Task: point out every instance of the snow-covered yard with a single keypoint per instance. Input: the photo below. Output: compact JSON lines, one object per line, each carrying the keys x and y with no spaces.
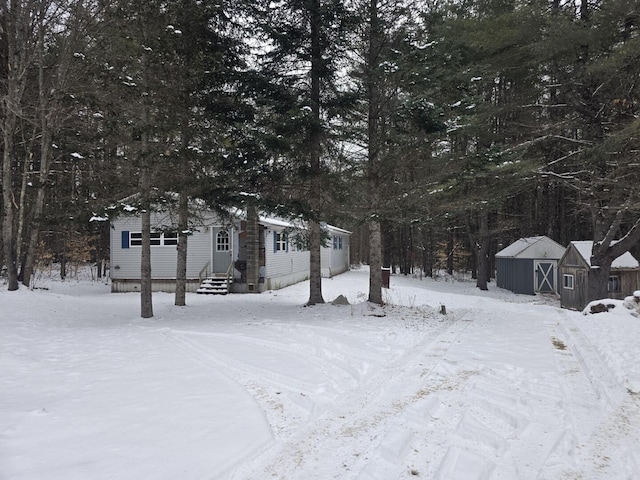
{"x":257,"y":386}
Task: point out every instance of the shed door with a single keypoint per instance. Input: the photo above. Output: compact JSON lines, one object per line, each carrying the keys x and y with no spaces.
{"x":545,"y":276}
{"x":222,"y":249}
{"x":581,"y":288}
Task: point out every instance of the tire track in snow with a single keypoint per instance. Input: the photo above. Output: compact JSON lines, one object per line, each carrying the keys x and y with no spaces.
{"x":597,"y":446}
{"x":221,"y":348}
{"x":285,"y":400}
{"x":488,"y":431}
{"x":360,"y":432}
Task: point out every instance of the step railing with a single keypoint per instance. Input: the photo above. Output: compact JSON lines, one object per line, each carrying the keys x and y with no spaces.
{"x":204,"y":272}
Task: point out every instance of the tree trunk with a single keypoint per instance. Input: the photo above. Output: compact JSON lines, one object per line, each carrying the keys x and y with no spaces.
{"x":38,"y":207}
{"x":605,"y":251}
{"x":450,"y":246}
{"x":181,"y":262}
{"x":481,"y":246}
{"x":48,"y":116}
{"x":373,"y":154}
{"x":375,"y":263}
{"x":427,"y":252}
{"x":146,"y":302}
{"x":315,"y":233}
{"x":315,"y":274}
{"x":21,"y":211}
{"x":253,"y":249}
{"x":17,"y":34}
{"x":63,"y":262}
{"x":598,"y":280}
{"x":8,"y":219}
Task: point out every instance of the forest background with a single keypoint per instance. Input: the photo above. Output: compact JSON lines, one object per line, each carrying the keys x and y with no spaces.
{"x":437,"y":131}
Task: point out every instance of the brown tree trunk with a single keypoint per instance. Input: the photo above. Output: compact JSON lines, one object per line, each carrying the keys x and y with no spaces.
{"x":181,"y":262}
{"x":315,"y":233}
{"x":373,"y":154}
{"x":253,"y":249}
{"x":480,"y":243}
{"x":8,"y":203}
{"x":15,"y":32}
{"x":315,"y":274}
{"x":146,"y":302}
{"x":598,"y":279}
{"x":375,"y":263}
{"x":604,"y":252}
{"x":450,"y":246}
{"x":38,"y":206}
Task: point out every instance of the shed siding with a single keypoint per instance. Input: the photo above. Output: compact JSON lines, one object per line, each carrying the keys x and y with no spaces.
{"x":572,"y":263}
{"x":515,"y":274}
{"x":515,"y":264}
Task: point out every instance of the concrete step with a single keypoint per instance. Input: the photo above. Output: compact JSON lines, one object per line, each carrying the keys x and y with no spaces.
{"x":216,"y":284}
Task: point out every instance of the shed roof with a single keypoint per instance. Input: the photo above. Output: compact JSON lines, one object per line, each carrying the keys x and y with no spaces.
{"x":584,"y":247}
{"x":533,"y":247}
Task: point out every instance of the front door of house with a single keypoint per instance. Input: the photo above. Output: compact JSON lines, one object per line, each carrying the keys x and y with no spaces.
{"x":222,"y":249}
{"x":545,"y":276}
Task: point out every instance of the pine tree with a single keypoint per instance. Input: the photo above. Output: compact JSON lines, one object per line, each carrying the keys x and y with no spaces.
{"x":304,"y":40}
{"x":595,"y":148}
{"x":396,"y":115}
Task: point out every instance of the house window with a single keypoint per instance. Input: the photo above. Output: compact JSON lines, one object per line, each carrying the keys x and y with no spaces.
{"x":335,"y":242}
{"x":170,"y":238}
{"x":280,"y":242}
{"x":339,"y":243}
{"x":136,"y":239}
{"x":613,"y":285}
{"x":223,"y":242}
{"x":157,"y":239}
{"x":567,"y":282}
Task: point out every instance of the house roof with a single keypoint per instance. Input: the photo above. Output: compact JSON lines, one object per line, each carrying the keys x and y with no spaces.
{"x":274,"y":222}
{"x":532,"y":247}
{"x":584,"y":247}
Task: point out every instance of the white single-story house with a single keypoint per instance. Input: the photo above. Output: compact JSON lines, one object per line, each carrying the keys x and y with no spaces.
{"x":217,"y":253}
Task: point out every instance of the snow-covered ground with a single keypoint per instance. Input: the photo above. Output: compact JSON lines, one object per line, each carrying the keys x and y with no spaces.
{"x":259,"y":387}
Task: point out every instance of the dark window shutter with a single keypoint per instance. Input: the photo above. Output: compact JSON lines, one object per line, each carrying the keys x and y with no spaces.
{"x":275,"y":242}
{"x":125,"y":239}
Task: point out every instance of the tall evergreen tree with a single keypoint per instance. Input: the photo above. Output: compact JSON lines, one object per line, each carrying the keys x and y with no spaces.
{"x":395,"y":115}
{"x":302,"y":53}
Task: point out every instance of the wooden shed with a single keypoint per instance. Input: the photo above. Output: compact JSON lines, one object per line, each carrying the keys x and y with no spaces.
{"x":529,"y":266}
{"x":574,"y":266}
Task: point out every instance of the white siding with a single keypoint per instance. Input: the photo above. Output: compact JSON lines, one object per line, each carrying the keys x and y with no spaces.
{"x":284,"y":268}
{"x":125,"y":262}
{"x":325,"y":259}
{"x":340,"y":258}
{"x":335,"y":260}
